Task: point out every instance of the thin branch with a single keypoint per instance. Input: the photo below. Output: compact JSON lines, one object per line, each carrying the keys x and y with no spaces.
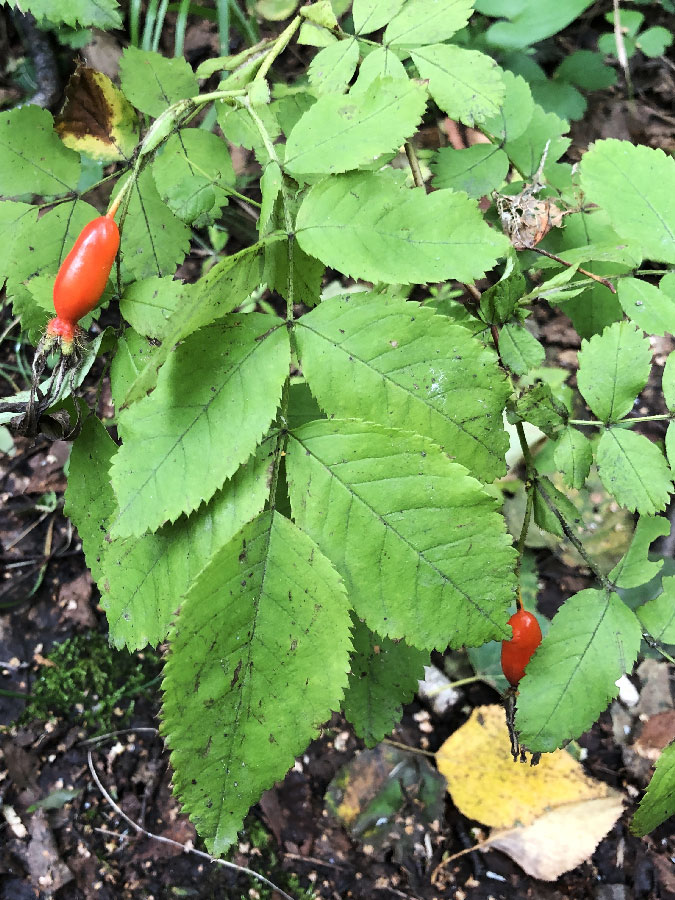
{"x":414,"y":163}
{"x":186,"y":848}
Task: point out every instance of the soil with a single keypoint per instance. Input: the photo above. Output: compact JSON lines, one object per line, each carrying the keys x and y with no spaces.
{"x":80,"y":847}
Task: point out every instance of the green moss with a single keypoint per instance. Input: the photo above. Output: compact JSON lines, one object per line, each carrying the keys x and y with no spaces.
{"x":91,"y":682}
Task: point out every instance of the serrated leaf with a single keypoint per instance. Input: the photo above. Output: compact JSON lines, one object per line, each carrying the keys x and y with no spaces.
{"x":658,"y":803}
{"x":153,"y":240}
{"x":573,"y":457}
{"x":381,"y":63}
{"x":193,"y":172}
{"x":538,"y":406}
{"x":148,"y":305}
{"x":516,"y":112}
{"x":369,"y":15}
{"x":658,"y":615}
{"x":239,"y":128}
{"x":367,"y":226}
{"x":222,"y":289}
{"x":527,"y":151}
{"x":593,"y":640}
{"x":670,"y":445}
{"x":519,"y":348}
{"x":634,"y":186}
{"x":427,"y":22}
{"x":89,"y":500}
{"x":650,"y":308}
{"x":499,"y":302}
{"x":417,"y":540}
{"x":258,"y":659}
{"x":613,"y":369}
{"x":406,"y":368}
{"x":636,"y":568}
{"x":634,"y":471}
{"x":14,"y":217}
{"x":153,"y":82}
{"x":143,"y":580}
{"x":104,"y":14}
{"x":668,"y":382}
{"x":383,"y":676}
{"x":97,"y":119}
{"x":341,"y":132}
{"x":333,"y":67}
{"x":132,"y":352}
{"x":478,"y":170}
{"x":32,"y":158}
{"x":214,"y":400}
{"x":270,"y":186}
{"x":466,"y":84}
{"x":547,"y":495}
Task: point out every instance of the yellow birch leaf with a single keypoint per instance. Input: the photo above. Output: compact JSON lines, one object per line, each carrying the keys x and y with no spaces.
{"x":486,"y":785}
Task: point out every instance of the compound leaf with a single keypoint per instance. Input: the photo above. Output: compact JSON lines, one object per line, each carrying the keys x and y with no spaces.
{"x":593,"y":640}
{"x":258,"y":659}
{"x":383,"y":676}
{"x":368,"y":226}
{"x":634,"y":185}
{"x":406,"y":367}
{"x":214,"y":400}
{"x":634,"y":471}
{"x":613,"y":368}
{"x":418,"y":541}
{"x":341,"y":132}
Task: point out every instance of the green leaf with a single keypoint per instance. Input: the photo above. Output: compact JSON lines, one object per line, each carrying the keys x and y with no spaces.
{"x":515,"y":115}
{"x":466,"y":84}
{"x":478,"y":170}
{"x":519,"y":348}
{"x":143,"y":580}
{"x":342,"y":132}
{"x":369,"y":15}
{"x":148,"y":305}
{"x":222,"y":289}
{"x":658,"y":804}
{"x":270,"y":186}
{"x":593,"y":640}
{"x":153,"y":82}
{"x":532,"y":21}
{"x":239,"y":128}
{"x":154,"y":241}
{"x":89,"y":501}
{"x":33,"y":160}
{"x":587,"y":70}
{"x":214,"y":400}
{"x":417,"y":540}
{"x":368,"y":226}
{"x":634,"y":471}
{"x":302,"y":406}
{"x":538,"y":406}
{"x":613,"y":368}
{"x":668,"y":382}
{"x":14,"y":217}
{"x":498,"y":303}
{"x":654,"y":41}
{"x":650,"y":308}
{"x":427,"y":22}
{"x":258,"y":659}
{"x":636,"y":568}
{"x":573,"y":457}
{"x":543,"y":514}
{"x":381,"y":63}
{"x":634,"y":185}
{"x":670,"y":445}
{"x":527,"y":151}
{"x":132,"y":352}
{"x":406,"y":367}
{"x":383,"y":676}
{"x":193,"y":172}
{"x":333,"y":67}
{"x":658,"y":615}
{"x":104,"y":14}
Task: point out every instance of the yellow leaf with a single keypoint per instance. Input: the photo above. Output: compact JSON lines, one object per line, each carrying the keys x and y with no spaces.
{"x":486,"y":785}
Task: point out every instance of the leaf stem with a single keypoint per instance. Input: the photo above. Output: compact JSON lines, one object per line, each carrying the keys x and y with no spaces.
{"x":660,"y":417}
{"x":414,"y":163}
{"x":598,"y":278}
{"x":278,"y":48}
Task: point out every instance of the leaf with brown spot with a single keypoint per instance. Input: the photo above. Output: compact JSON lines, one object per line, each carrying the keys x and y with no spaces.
{"x":97,"y":119}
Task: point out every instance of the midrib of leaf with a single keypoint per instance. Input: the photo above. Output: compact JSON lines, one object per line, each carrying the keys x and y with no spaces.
{"x":406,"y":35}
{"x":338,"y":134}
{"x":580,"y":659}
{"x":471,"y":87}
{"x":418,"y":554}
{"x":389,"y":380}
{"x":36,"y":166}
{"x":626,"y":457}
{"x":204,"y":408}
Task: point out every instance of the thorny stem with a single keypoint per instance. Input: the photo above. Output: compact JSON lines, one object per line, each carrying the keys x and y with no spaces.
{"x":414,"y":163}
{"x":186,"y":848}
